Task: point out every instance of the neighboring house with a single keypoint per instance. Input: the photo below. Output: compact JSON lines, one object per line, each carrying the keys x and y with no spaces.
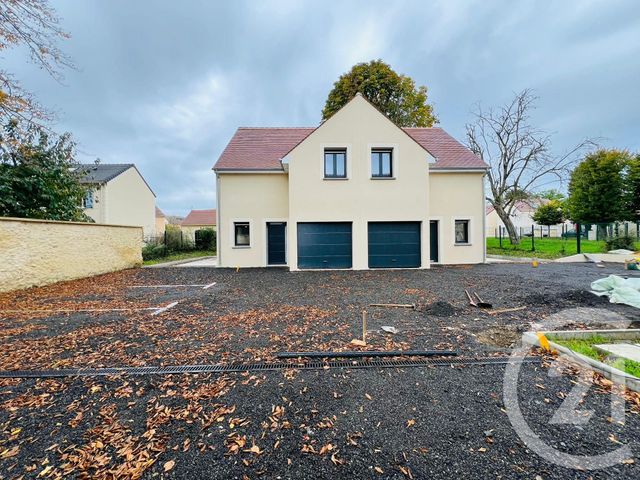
{"x":119,"y":196}
{"x":356,"y":192}
{"x":198,"y":220}
{"x":522,"y":218}
{"x":161,"y":222}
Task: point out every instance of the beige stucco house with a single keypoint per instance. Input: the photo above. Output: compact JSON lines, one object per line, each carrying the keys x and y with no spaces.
{"x":357,"y":192}
{"x":198,"y":220}
{"x":161,"y":222}
{"x":119,"y":195}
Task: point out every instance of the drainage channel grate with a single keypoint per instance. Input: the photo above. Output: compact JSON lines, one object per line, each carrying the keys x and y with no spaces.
{"x":246,"y":367}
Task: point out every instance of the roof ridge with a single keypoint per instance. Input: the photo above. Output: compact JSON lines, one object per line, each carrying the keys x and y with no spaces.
{"x":275,"y":128}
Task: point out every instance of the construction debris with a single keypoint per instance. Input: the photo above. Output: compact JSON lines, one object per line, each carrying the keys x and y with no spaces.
{"x":393,"y":305}
{"x":506,"y":310}
{"x":388,"y":329}
{"x":370,"y":353}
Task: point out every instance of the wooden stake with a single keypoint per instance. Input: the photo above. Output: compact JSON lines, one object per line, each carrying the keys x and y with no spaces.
{"x":393,"y":305}
{"x":364,"y":326}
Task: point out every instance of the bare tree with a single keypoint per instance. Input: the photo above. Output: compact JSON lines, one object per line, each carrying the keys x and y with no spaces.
{"x":518,"y":155}
{"x":33,"y":25}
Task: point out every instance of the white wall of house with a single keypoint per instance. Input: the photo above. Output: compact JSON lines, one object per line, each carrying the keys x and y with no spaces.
{"x":254,"y":198}
{"x":125,"y":200}
{"x":358,"y":127}
{"x":458,"y":196}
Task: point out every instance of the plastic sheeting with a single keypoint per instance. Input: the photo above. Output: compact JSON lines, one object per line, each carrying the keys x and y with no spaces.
{"x":618,"y":289}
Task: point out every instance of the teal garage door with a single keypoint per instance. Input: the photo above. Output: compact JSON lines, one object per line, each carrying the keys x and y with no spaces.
{"x":324,"y":245}
{"x":394,"y":244}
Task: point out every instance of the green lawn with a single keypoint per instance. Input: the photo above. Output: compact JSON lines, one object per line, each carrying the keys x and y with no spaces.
{"x":545,"y":247}
{"x":180,"y":256}
{"x":585,"y":347}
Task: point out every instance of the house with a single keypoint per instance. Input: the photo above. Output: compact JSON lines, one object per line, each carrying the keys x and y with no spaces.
{"x":119,"y":195}
{"x":522,"y":218}
{"x":198,"y":220}
{"x":356,"y":192}
{"x":161,"y":222}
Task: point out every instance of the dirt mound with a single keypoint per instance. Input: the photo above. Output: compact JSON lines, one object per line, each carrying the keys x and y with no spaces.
{"x":441,"y":309}
{"x":571,"y":298}
{"x":503,"y":337}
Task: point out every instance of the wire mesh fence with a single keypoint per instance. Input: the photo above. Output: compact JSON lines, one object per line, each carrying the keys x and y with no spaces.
{"x":566,"y":239}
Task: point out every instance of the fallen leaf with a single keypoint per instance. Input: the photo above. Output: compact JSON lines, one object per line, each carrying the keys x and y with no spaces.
{"x":411,"y":423}
{"x":379,"y":470}
{"x":169,"y":465}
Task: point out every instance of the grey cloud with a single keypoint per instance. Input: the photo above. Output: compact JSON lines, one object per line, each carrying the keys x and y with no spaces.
{"x":164,"y":84}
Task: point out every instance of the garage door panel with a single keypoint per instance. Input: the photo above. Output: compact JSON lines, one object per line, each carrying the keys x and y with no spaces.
{"x":394,"y":244}
{"x":324,"y":245}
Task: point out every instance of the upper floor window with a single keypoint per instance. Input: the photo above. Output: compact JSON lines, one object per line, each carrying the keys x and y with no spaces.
{"x":382,"y":162}
{"x":335,"y":163}
{"x":87,"y":201}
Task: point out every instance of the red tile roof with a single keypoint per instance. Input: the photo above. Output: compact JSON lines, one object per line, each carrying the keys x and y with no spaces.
{"x":199,"y":217}
{"x":448,"y":152}
{"x":263,"y":148}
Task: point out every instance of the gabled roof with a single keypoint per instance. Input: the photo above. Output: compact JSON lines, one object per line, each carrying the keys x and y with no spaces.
{"x":263,"y":148}
{"x":200,"y":217}
{"x":159,"y":213}
{"x":102,"y":172}
{"x":260,"y":148}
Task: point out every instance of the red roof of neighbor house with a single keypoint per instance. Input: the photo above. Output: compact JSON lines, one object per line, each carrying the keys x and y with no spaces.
{"x":200,"y":217}
{"x":263,"y":148}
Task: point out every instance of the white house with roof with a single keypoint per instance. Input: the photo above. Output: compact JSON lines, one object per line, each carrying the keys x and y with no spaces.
{"x":119,"y":195}
{"x":356,"y":192}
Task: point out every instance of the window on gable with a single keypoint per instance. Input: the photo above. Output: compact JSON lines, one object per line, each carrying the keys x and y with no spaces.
{"x":87,"y":201}
{"x":241,"y":234}
{"x":335,"y":163}
{"x":382,"y":163}
{"x":462,"y":231}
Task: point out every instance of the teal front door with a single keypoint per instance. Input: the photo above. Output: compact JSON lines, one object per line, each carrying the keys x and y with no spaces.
{"x":433,"y":240}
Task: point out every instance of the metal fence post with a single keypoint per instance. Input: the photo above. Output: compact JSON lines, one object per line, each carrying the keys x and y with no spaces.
{"x":578,"y":235}
{"x":533,"y":238}
{"x":500,"y":230}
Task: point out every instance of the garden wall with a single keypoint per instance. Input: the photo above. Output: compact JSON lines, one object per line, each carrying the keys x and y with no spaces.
{"x":40,"y":252}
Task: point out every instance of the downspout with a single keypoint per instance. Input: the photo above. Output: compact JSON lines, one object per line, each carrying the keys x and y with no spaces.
{"x":218,"y":227}
{"x":484,"y":220}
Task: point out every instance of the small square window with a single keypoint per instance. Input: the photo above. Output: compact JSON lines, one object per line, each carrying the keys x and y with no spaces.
{"x":462,"y":231}
{"x":87,"y":201}
{"x":241,"y":234}
{"x":335,"y":163}
{"x":382,"y":163}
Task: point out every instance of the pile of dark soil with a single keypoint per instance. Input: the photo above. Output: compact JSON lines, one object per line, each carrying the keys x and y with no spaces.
{"x":569,"y":298}
{"x":441,"y":309}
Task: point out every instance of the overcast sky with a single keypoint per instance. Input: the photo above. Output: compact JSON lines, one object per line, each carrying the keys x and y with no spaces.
{"x":164,"y":84}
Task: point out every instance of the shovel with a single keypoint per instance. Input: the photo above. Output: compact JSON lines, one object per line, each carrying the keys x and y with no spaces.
{"x":472,"y":302}
{"x":481,"y":303}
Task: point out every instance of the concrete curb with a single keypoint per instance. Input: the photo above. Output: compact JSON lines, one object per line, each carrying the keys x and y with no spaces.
{"x":631,"y":382}
{"x":178,"y":262}
{"x":519,"y":259}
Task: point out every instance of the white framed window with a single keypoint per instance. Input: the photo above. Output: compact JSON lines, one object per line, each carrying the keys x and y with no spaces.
{"x":87,"y":201}
{"x":461,"y":232}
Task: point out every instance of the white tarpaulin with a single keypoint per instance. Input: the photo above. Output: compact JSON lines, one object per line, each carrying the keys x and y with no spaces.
{"x":618,"y":289}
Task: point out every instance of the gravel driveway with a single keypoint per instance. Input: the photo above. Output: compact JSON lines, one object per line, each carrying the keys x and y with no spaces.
{"x":334,"y":423}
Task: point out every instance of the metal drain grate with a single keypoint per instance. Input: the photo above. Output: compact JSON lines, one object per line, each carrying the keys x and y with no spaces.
{"x":250,"y":367}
